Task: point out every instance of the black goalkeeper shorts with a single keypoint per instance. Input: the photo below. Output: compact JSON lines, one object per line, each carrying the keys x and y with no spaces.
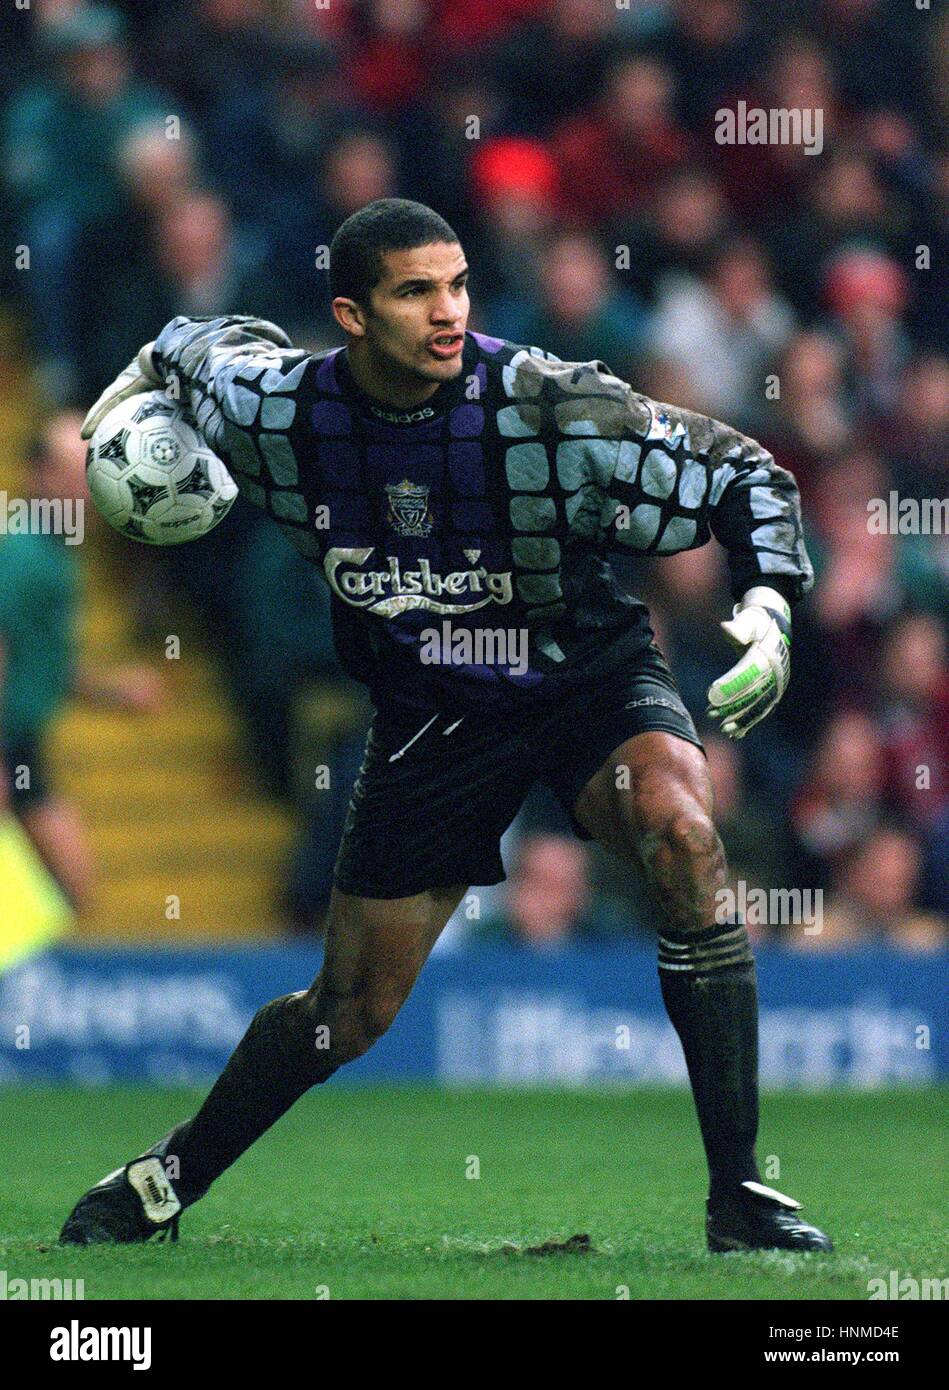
{"x":432,"y":801}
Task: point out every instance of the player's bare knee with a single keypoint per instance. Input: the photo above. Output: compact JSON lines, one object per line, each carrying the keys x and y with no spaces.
{"x":683,"y":848}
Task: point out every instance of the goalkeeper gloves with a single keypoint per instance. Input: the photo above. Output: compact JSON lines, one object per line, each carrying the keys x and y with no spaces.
{"x":142,"y":374}
{"x":746,"y":694}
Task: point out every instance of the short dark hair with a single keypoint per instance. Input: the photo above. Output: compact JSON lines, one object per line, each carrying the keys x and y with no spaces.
{"x":388,"y":224}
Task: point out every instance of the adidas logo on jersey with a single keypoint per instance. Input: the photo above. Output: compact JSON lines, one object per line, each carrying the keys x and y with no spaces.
{"x":403,"y":417}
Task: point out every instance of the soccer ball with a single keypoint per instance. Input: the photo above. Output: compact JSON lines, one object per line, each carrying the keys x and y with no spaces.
{"x":152,"y":476}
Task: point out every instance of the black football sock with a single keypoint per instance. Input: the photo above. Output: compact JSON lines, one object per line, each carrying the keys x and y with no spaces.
{"x":273,"y":1065}
{"x":711,"y":996}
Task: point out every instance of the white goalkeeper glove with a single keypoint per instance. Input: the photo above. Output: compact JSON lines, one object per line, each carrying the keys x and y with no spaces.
{"x":746,"y":694}
{"x":142,"y":374}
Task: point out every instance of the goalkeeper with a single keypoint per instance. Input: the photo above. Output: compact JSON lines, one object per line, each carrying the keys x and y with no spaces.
{"x":451,"y":483}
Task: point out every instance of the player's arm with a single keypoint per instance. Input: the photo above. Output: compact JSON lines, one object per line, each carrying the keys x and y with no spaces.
{"x":686,"y":476}
{"x":240,"y":376}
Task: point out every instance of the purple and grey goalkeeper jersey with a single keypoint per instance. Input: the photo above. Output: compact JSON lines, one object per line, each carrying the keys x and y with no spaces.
{"x":494,"y":506}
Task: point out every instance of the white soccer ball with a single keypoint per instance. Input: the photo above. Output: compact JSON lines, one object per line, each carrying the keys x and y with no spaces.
{"x":152,"y":476}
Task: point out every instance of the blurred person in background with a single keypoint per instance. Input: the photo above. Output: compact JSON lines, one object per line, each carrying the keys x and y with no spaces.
{"x":766,"y":180}
{"x":62,"y":135}
{"x":226,"y":39}
{"x":157,"y":172}
{"x":386,"y":66}
{"x":202,"y":261}
{"x":514,"y":187}
{"x":724,"y":330}
{"x":842,"y":204}
{"x":291,"y":116}
{"x":612,"y":157}
{"x":192,"y":254}
{"x":867,"y":576}
{"x":360,"y":167}
{"x":39,"y":667}
{"x":753,"y":835}
{"x":554,"y":60}
{"x":810,"y":419}
{"x":840,"y":800}
{"x":867,"y":294}
{"x":437,"y":145}
{"x":914,"y":719}
{"x":874,"y":897}
{"x":870,"y":52}
{"x":357,"y":166}
{"x":579,"y":312}
{"x":914,"y":436}
{"x":464,"y":25}
{"x":910,"y":172}
{"x":548,"y":901}
{"x":715,"y":47}
{"x":683,"y":222}
{"x":279,"y":638}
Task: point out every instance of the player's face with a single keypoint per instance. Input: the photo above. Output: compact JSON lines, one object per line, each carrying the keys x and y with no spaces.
{"x":419,"y":312}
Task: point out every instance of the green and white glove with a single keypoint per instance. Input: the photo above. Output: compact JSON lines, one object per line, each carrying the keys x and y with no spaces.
{"x":761,"y":628}
{"x":140,"y":375}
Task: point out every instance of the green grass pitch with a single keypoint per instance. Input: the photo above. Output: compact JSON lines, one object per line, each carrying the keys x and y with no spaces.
{"x":364,"y":1193}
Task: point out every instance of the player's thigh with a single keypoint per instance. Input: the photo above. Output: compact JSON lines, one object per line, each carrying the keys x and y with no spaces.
{"x":381,"y":944}
{"x":654,"y":783}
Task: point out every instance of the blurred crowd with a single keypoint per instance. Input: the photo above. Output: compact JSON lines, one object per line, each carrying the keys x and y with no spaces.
{"x":196,"y":157}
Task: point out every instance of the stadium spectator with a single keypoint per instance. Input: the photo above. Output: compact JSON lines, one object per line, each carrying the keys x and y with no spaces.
{"x":867,"y":575}
{"x":724,"y":331}
{"x":875,"y":893}
{"x":553,"y":63}
{"x":386,"y":65}
{"x":466,"y":107}
{"x":915,"y":435}
{"x":612,"y":157}
{"x":914,"y":719}
{"x":288,"y":118}
{"x":181,"y":248}
{"x":869,"y":51}
{"x":677,"y":230}
{"x":157,"y":172}
{"x":547,"y":899}
{"x":514,"y":184}
{"x":753,"y":851}
{"x":809,"y":419}
{"x":843,"y":204}
{"x":770,"y":176}
{"x":715,"y":49}
{"x":226,"y":41}
{"x":841,"y":799}
{"x":62,"y":135}
{"x":867,"y":294}
{"x":578,"y":311}
{"x":39,"y":665}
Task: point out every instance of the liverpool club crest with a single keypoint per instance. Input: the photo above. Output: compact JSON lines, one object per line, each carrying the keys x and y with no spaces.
{"x":408,"y":508}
